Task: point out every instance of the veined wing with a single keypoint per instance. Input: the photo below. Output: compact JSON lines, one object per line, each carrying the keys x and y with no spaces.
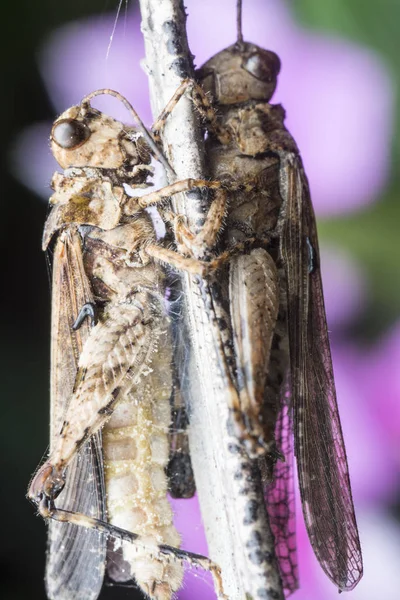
{"x":280,"y":500}
{"x":76,"y":556}
{"x":181,"y":482}
{"x":321,"y":457}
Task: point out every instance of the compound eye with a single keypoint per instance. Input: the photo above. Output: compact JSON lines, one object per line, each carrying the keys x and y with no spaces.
{"x":265,"y":66}
{"x":70,"y":133}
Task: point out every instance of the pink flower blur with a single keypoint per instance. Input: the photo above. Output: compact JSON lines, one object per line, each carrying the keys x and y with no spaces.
{"x":383,"y":389}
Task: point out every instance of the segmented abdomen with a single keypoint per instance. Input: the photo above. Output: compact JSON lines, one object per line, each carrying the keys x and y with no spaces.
{"x":136,"y":449}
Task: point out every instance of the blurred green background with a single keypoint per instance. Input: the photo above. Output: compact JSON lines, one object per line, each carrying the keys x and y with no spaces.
{"x":371,"y":235}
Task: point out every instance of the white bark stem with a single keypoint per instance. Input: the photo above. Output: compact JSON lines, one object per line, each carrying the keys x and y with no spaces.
{"x":224,"y":505}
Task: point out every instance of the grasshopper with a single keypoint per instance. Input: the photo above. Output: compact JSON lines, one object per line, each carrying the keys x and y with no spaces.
{"x":111,"y":373}
{"x":276,"y":332}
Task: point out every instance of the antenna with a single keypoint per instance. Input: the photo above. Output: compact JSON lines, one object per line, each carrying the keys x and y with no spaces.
{"x":239,"y":21}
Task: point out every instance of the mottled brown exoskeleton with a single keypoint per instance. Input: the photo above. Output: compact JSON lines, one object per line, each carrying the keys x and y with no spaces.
{"x":111,"y":371}
{"x":277,"y":331}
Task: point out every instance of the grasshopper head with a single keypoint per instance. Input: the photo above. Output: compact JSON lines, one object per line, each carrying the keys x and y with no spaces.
{"x":240,"y":73}
{"x":84,"y":137}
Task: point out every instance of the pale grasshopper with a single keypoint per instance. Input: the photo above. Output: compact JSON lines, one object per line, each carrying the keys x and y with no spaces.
{"x":111,"y":365}
{"x":273,"y":294}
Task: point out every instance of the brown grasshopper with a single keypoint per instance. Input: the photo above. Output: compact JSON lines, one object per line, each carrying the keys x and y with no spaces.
{"x":273,"y":295}
{"x":111,"y":365}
